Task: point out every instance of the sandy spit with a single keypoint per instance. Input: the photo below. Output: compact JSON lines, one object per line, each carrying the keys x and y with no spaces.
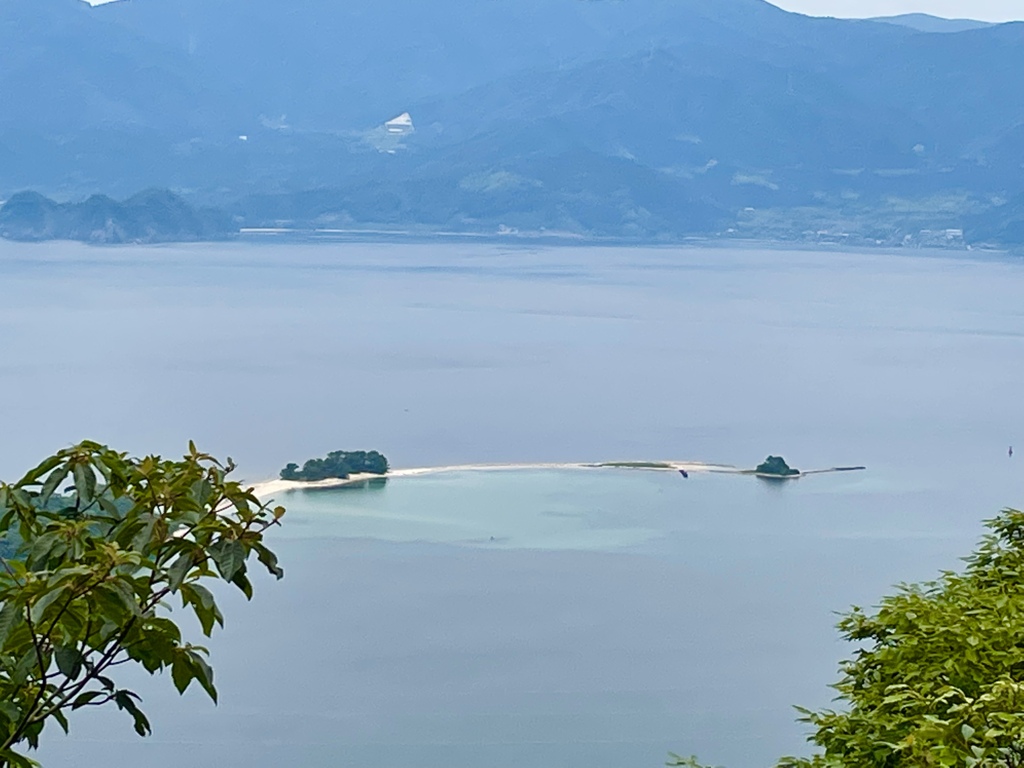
{"x":268,"y":488}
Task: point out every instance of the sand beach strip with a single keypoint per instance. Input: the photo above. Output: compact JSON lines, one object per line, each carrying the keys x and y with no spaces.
{"x":268,"y":488}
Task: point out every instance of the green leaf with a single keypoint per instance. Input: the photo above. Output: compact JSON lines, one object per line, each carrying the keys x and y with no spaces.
{"x":16,"y":760}
{"x":269,"y":560}
{"x":10,"y":712}
{"x":126,"y":594}
{"x":144,"y":536}
{"x":23,"y":667}
{"x":55,"y":479}
{"x":203,"y":491}
{"x":42,"y":548}
{"x":85,"y":482}
{"x":201,"y":594}
{"x":109,"y":506}
{"x":40,"y":606}
{"x":242,"y":582}
{"x":69,"y":660}
{"x":61,"y":720}
{"x":202,"y":602}
{"x":204,"y":674}
{"x":34,"y":474}
{"x":181,"y":672}
{"x":84,"y":699}
{"x":229,"y":556}
{"x":125,"y":701}
{"x":12,"y":616}
{"x":110,"y":604}
{"x":179,"y":570}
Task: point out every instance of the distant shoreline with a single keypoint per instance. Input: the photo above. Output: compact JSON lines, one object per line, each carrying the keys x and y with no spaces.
{"x":269,"y":237}
{"x":584,"y":239}
{"x":267,"y":488}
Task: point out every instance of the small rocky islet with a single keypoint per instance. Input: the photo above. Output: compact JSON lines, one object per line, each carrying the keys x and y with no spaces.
{"x":776,"y":467}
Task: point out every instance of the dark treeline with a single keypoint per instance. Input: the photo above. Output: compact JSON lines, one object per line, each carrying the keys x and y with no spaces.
{"x":776,"y":465}
{"x":338,"y":464}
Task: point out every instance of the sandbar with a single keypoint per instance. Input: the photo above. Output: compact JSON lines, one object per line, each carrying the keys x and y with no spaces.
{"x":268,"y":488}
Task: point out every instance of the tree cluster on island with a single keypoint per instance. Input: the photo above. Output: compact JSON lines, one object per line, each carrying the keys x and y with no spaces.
{"x":338,"y":465}
{"x":776,"y":466}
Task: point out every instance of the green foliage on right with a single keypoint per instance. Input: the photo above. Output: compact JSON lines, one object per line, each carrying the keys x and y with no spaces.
{"x":938,"y":677}
{"x":338,"y":464}
{"x":776,"y":465}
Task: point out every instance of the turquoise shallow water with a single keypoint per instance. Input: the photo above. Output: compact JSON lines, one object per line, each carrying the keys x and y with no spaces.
{"x":614,"y":510}
{"x":544,"y":618}
{"x":538,"y":509}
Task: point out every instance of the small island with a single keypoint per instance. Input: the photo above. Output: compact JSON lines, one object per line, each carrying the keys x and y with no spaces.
{"x":776,"y":467}
{"x":153,"y":216}
{"x":338,"y":465}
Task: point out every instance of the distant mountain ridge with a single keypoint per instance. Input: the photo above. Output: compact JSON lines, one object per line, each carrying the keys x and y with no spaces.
{"x":924,"y":22}
{"x":152,"y":216}
{"x":645,"y":118}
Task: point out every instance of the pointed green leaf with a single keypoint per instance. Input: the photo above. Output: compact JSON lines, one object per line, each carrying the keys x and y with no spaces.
{"x":69,"y":660}
{"x":229,"y":556}
{"x":242,"y":582}
{"x":181,"y":672}
{"x":12,"y":616}
{"x":85,"y":482}
{"x":42,"y":548}
{"x":140,"y":721}
{"x":40,"y":470}
{"x":202,"y":602}
{"x":85,"y":698}
{"x":61,"y":720}
{"x":204,"y":674}
{"x":203,"y":596}
{"x":269,"y":560}
{"x":55,"y":479}
{"x":179,"y":570}
{"x":39,"y":607}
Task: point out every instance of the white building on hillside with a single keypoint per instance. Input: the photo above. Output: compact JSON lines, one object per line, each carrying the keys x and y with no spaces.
{"x":400,"y":125}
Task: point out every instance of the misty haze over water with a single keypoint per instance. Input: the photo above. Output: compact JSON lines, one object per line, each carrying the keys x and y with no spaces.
{"x":514,"y":232}
{"x":443,"y":648}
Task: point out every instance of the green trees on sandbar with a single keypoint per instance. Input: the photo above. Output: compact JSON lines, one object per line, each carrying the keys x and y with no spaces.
{"x":776,"y":466}
{"x":338,"y":464}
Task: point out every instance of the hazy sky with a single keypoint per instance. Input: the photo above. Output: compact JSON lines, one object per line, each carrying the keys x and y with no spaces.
{"x":989,"y":10}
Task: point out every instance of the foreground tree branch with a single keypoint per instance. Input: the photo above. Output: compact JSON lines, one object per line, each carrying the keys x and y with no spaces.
{"x":937,"y":677}
{"x":84,"y":573}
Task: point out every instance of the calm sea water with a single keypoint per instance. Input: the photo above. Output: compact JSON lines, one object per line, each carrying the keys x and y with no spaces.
{"x":532,"y":618}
